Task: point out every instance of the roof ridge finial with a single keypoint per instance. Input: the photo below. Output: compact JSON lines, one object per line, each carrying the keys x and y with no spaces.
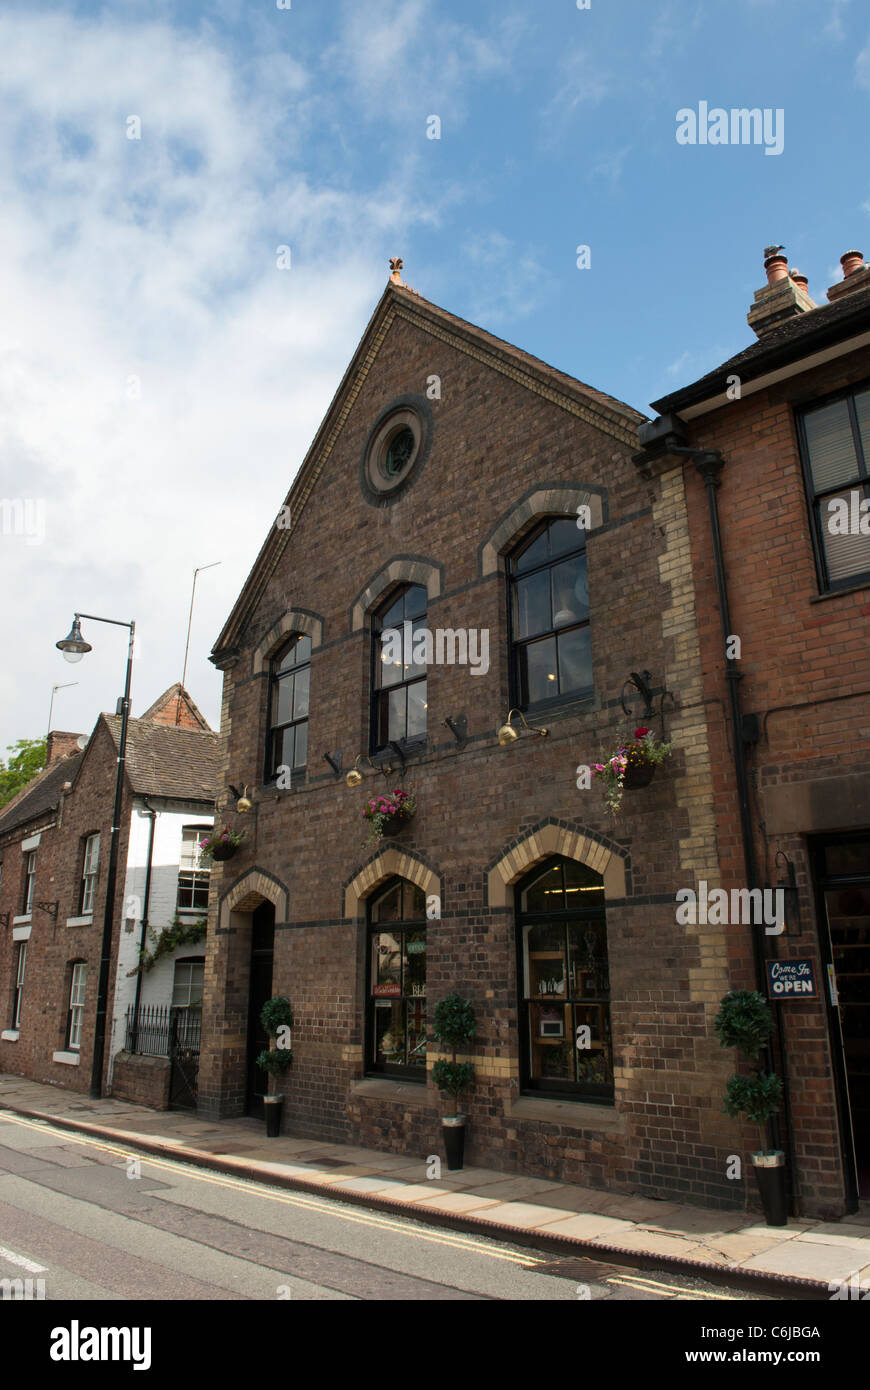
{"x":396,"y":267}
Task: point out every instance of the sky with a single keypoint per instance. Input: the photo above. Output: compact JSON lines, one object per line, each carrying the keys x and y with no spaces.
{"x":164,"y":366}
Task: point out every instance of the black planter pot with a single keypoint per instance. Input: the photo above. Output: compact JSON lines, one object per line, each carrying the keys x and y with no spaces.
{"x":638,"y":774}
{"x":770,"y":1175}
{"x":273,"y":1106}
{"x":453,"y":1129}
{"x":393,"y":824}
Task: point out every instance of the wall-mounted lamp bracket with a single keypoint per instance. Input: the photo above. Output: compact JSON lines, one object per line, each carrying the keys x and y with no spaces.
{"x":458,"y":727}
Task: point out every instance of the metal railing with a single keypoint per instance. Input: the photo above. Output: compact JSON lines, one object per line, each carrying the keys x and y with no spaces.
{"x":158,"y":1029}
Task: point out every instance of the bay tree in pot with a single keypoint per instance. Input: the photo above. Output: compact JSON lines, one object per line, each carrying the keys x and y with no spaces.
{"x":276,"y":1017}
{"x":454,"y":1025}
{"x":745,"y":1021}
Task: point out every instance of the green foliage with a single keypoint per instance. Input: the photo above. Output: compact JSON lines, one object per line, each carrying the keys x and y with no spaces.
{"x":28,"y":758}
{"x":276,"y":1013}
{"x":744,"y":1021}
{"x":454,"y":1077}
{"x":276,"y":1061}
{"x":758,"y":1096}
{"x":178,"y":933}
{"x":454,"y":1022}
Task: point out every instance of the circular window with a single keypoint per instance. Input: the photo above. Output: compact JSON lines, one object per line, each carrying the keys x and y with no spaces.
{"x":396,"y":448}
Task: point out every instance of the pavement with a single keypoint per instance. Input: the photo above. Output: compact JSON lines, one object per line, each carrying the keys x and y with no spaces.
{"x":803,"y":1258}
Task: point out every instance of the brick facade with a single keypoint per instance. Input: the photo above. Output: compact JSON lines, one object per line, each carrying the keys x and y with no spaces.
{"x":511,"y":442}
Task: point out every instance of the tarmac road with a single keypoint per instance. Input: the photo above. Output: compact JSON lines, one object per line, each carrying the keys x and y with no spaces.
{"x":82,"y":1220}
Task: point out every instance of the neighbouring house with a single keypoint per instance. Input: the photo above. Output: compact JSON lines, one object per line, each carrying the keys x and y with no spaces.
{"x":485,"y":507}
{"x":775,"y":466}
{"x":54,"y":839}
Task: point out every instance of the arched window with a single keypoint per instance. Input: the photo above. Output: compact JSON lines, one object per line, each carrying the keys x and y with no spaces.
{"x":399,"y":693}
{"x":288,"y":707}
{"x":564,"y":982}
{"x":396,"y":994}
{"x":551,"y":653}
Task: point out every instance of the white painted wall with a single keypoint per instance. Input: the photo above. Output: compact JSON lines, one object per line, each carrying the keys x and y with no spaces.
{"x":156,"y":983}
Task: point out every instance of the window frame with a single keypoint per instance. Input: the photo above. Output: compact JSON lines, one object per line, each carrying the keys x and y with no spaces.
{"x":89,"y":876}
{"x":814,"y":497}
{"x":559,"y":1088}
{"x":417,"y":741}
{"x":188,"y":961}
{"x":76,"y":1011}
{"x":29,"y":881}
{"x":18,"y":985}
{"x":199,"y":874}
{"x":371,"y":1067}
{"x":270,"y":771}
{"x":515,"y":644}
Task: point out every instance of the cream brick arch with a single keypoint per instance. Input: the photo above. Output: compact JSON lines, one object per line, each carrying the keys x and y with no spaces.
{"x":554,"y":499}
{"x":252,"y":888}
{"x":402,"y":569}
{"x":384,"y":866}
{"x":294,"y":620}
{"x":552,"y":838}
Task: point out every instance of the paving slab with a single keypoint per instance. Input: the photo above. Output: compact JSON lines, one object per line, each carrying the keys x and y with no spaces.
{"x":589,"y":1226}
{"x":455,"y":1201}
{"x":826,"y":1261}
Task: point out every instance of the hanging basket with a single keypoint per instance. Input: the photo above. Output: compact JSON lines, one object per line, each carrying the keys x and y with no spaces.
{"x":393,"y":824}
{"x":224,"y":851}
{"x":639,"y":773}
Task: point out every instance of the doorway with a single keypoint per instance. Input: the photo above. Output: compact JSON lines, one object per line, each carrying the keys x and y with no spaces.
{"x":842,"y":879}
{"x":262,"y":958}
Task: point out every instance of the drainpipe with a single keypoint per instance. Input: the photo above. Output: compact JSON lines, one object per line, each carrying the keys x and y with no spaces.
{"x":144,"y":931}
{"x":709,"y":463}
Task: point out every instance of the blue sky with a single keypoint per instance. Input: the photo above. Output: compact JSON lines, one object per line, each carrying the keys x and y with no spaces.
{"x":161,"y":379}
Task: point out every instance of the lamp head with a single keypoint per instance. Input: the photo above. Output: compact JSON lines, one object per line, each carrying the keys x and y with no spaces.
{"x":507,"y":734}
{"x":243,"y":805}
{"x":74,"y":645}
{"x":353,"y":778}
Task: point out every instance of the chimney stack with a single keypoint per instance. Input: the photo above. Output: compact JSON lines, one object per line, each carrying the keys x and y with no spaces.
{"x":856,"y":276}
{"x":60,"y":745}
{"x":782,"y":297}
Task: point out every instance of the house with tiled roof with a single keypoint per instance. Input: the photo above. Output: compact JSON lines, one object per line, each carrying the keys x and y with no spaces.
{"x":54,"y":841}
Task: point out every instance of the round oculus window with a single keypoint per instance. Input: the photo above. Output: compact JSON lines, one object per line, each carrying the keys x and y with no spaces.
{"x":396,"y":447}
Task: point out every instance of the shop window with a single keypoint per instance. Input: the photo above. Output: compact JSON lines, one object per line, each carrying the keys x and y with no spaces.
{"x":396,"y":991}
{"x":550,"y":638}
{"x":564,"y":978}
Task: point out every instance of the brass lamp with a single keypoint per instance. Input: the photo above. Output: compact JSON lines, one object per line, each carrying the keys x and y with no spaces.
{"x":507,"y":734}
{"x":243,"y":805}
{"x":354,"y":777}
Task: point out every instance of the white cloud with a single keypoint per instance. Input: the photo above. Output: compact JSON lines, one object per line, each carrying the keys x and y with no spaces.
{"x":510,"y":282}
{"x":156,"y":259}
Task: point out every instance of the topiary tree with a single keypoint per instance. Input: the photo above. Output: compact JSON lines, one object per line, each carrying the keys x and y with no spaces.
{"x":276,"y":1017}
{"x":453,"y":1024}
{"x":744,"y":1021}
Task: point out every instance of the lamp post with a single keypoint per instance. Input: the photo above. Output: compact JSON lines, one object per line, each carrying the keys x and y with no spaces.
{"x":74,"y":648}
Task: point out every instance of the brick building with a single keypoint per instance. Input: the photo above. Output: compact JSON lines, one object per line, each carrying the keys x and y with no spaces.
{"x":459,"y":486}
{"x":54,"y":841}
{"x":783,"y":431}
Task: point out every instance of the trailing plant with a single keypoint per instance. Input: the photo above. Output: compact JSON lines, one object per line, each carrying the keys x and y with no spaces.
{"x":178,"y":933}
{"x":380,"y":809}
{"x":219,"y":838}
{"x":643,"y":750}
{"x":453,"y":1024}
{"x":744,"y":1021}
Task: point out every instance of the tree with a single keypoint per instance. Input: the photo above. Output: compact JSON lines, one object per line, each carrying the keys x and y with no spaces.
{"x":28,"y":758}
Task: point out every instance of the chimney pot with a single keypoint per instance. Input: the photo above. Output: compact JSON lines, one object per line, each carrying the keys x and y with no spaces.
{"x":776,"y":267}
{"x":851,"y":261}
{"x":799,"y":279}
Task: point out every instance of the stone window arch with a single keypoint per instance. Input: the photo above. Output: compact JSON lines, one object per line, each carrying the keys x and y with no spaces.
{"x":550,"y":499}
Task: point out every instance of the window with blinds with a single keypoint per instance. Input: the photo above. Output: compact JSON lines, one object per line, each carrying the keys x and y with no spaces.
{"x":835,"y":443}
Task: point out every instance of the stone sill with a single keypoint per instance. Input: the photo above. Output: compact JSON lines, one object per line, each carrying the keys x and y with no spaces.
{"x":18,"y":921}
{"x":86,"y":921}
{"x":840,"y":593}
{"x":69,"y":1059}
{"x":9,"y":1035}
{"x":385,"y":1088}
{"x":570,"y":1113}
{"x":22,"y":933}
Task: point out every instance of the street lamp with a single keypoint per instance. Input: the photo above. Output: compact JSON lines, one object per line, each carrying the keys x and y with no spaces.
{"x":74,"y":648}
